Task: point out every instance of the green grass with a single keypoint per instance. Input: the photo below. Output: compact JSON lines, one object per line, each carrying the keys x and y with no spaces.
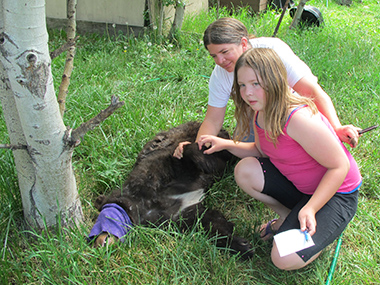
{"x":163,"y":86}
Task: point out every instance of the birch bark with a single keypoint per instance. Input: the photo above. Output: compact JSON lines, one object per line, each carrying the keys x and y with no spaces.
{"x":45,"y":174}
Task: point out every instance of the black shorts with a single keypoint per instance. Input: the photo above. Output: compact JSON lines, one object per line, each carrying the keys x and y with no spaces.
{"x":278,"y":186}
{"x":332,"y":218}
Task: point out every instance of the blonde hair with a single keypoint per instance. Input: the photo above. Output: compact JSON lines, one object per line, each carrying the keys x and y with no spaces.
{"x":279,"y":99}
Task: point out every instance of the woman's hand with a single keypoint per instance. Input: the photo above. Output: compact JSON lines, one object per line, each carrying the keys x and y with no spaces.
{"x":348,"y":134}
{"x":178,"y":152}
{"x":306,"y":217}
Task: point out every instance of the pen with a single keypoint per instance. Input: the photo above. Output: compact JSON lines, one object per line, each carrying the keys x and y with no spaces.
{"x":354,"y":141}
{"x":306,"y":235}
{"x":367,"y":129}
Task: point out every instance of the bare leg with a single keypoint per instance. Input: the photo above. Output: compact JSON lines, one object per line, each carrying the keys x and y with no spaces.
{"x":249,"y":176}
{"x":291,"y":261}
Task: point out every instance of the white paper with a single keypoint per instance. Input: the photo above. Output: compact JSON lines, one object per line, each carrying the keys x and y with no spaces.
{"x":292,"y":241}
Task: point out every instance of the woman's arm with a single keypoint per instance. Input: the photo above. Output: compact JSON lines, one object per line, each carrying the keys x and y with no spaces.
{"x":212,"y":122}
{"x":211,"y":125}
{"x":320,"y":143}
{"x":308,"y":87}
{"x":239,"y":149}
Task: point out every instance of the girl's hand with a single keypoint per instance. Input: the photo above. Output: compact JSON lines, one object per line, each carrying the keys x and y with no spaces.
{"x":215,"y":143}
{"x":178,"y":152}
{"x":306,"y":217}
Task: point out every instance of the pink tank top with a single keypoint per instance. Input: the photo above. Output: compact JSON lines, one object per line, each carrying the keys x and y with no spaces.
{"x":298,"y":166}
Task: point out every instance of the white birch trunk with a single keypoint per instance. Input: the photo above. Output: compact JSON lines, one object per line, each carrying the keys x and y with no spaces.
{"x":30,"y":107}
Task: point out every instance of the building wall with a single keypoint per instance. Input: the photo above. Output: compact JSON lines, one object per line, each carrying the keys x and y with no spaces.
{"x":112,"y":11}
{"x":256,"y":5}
{"x":56,"y":9}
{"x":92,"y":15}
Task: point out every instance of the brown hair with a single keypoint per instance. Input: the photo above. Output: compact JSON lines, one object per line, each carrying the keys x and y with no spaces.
{"x":225,"y":31}
{"x":279,"y":99}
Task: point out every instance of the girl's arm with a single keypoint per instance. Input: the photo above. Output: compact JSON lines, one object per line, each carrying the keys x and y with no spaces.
{"x":320,"y":143}
{"x":239,"y":149}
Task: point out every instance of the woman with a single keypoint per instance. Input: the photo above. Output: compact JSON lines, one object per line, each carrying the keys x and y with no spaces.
{"x":226,"y":39}
{"x":297,"y":166}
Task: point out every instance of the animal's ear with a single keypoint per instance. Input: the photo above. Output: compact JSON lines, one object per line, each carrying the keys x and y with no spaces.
{"x":99,"y":202}
{"x":224,"y":134}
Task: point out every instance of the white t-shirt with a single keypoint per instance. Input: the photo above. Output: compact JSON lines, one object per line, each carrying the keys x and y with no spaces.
{"x":221,"y":81}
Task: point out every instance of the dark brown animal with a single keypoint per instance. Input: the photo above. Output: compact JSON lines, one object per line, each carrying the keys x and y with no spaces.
{"x":162,"y":188}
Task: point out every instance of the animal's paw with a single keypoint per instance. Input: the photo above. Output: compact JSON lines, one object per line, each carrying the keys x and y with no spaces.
{"x":105,"y":239}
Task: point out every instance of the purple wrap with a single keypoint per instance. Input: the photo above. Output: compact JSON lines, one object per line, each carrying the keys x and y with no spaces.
{"x":112,"y":219}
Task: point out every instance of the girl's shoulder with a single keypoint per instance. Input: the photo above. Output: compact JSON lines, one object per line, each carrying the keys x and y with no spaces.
{"x":299,"y":112}
{"x":300,"y":116}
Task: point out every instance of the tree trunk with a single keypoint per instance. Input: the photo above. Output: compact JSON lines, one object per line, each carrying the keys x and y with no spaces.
{"x":178,"y":20}
{"x":298,"y":14}
{"x":44,"y":169}
{"x":281,"y":17}
{"x":69,"y":65}
{"x":156,"y":15}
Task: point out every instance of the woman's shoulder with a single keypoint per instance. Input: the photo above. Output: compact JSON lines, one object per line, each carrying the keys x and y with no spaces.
{"x":220,"y":85}
{"x":220,"y":73}
{"x":267,"y":42}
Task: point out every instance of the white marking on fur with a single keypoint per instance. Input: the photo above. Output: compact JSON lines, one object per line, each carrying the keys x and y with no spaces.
{"x":190,"y":198}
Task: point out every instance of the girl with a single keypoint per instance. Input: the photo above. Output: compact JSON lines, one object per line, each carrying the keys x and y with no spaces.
{"x":302,"y":170}
{"x":226,"y":39}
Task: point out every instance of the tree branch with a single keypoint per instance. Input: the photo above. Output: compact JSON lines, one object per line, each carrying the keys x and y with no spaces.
{"x":13,"y":147}
{"x":73,"y":138}
{"x":63,"y":48}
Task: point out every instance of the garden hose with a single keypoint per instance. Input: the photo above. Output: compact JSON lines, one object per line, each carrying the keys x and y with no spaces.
{"x":171,"y":76}
{"x":335,"y":260}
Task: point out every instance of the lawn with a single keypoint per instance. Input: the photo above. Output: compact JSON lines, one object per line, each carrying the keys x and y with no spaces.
{"x":163,"y":85}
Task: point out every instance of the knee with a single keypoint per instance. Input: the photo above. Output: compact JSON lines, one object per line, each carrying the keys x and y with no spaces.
{"x":248,"y":173}
{"x":280,"y":264}
{"x":290,"y":262}
{"x":243,"y":170}
{"x":240,"y":171}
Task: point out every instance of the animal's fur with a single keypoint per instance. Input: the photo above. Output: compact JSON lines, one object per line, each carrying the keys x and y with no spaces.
{"x":162,"y":187}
